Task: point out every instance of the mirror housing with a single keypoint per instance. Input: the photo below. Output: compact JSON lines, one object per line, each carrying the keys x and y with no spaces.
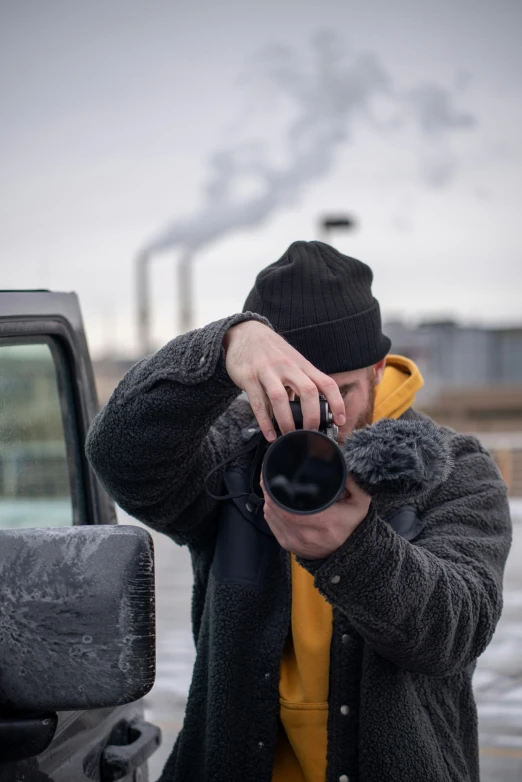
{"x":77,"y":617}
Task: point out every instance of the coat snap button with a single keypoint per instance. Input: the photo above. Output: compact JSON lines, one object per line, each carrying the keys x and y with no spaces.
{"x":267,"y":676}
{"x":345,"y":638}
{"x":345,"y":710}
{"x":260,"y":744}
{"x":335,"y":579}
{"x":202,"y":360}
{"x":250,"y":508}
{"x":343,"y":778}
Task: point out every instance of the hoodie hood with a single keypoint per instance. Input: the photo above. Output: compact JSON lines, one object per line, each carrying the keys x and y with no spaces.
{"x":396,"y":392}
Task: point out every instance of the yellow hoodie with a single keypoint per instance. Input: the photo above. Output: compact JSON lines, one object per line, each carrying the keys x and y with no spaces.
{"x":305,"y":666}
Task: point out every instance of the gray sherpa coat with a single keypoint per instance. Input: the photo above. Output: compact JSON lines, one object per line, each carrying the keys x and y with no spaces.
{"x":416,"y":589}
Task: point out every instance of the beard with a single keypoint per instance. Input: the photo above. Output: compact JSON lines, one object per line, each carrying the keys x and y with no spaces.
{"x":366,"y":417}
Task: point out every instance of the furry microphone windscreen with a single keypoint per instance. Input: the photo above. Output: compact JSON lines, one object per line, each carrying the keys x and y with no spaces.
{"x":398,"y":458}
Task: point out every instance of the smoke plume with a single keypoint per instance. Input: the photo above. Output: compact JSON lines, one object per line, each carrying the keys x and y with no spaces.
{"x":329,"y":91}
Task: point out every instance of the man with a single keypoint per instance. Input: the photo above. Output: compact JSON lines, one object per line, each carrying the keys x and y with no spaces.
{"x":337,"y":646}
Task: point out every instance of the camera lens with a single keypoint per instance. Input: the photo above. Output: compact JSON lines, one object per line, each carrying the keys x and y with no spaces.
{"x":304,"y":472}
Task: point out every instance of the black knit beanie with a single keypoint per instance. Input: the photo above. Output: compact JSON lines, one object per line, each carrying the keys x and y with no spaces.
{"x":321,"y":302}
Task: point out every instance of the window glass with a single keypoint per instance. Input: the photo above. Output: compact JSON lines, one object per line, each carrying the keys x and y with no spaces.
{"x":35,"y":486}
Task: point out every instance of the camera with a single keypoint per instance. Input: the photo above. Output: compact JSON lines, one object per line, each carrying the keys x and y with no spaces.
{"x":304,"y":471}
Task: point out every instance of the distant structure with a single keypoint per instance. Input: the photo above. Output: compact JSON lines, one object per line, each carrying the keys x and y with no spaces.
{"x":453,"y":356}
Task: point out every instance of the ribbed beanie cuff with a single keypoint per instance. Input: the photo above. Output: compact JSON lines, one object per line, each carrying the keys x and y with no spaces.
{"x":342,"y":345}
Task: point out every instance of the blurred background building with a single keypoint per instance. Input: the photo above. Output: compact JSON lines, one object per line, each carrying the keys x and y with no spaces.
{"x":455,"y":356}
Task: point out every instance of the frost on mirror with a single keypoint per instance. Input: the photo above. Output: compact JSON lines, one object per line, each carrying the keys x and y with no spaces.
{"x":34,"y":477}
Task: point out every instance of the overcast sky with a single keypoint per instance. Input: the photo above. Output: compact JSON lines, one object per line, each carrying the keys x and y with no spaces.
{"x":231,"y":127}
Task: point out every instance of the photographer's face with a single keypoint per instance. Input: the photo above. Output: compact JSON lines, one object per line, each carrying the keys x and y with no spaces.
{"x":358,"y":391}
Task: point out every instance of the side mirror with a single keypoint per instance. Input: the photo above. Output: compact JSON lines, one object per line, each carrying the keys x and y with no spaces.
{"x":77,"y":617}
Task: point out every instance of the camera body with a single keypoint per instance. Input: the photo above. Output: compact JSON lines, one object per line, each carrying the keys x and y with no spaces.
{"x":326,"y":425}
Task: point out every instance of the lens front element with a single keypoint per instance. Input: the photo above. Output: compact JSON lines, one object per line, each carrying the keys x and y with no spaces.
{"x":304,"y":471}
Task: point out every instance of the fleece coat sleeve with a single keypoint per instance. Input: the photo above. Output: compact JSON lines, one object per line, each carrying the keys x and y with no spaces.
{"x":163,"y":430}
{"x":429,"y":606}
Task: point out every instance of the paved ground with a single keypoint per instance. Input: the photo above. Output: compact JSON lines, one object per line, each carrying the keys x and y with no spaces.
{"x":498,"y":680}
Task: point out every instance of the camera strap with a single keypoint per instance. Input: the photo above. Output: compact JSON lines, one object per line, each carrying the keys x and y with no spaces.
{"x":257,"y":442}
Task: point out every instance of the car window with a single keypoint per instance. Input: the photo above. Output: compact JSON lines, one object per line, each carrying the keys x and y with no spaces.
{"x":35,"y":457}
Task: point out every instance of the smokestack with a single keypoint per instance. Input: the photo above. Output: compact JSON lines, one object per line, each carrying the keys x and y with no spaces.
{"x":186,"y":315}
{"x":142,"y":300}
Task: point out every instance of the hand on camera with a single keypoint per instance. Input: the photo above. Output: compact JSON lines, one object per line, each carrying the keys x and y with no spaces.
{"x":263,"y":365}
{"x":318,"y":536}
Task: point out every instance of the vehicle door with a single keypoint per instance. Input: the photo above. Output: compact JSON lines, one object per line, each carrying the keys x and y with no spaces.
{"x":47,"y":400}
